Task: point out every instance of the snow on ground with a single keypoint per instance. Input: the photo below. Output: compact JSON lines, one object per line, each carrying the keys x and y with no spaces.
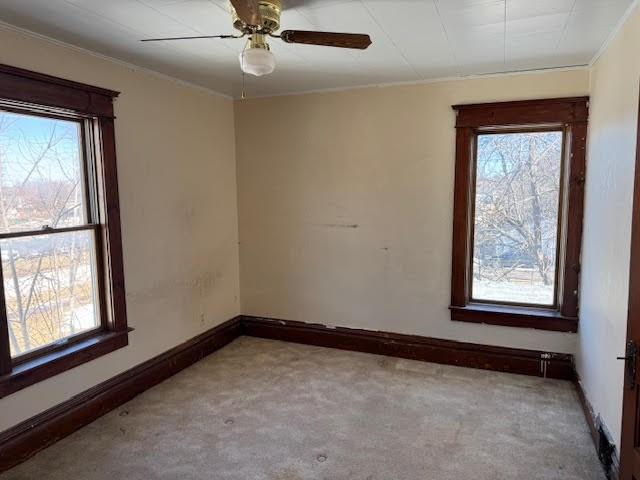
{"x":518,"y":292}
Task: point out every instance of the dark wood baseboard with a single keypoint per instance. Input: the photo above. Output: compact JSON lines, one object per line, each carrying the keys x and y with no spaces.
{"x":450,"y":352}
{"x":27,"y":438}
{"x":599,"y":433}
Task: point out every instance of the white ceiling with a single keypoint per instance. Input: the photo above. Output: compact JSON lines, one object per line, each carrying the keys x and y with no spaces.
{"x":413,"y":40}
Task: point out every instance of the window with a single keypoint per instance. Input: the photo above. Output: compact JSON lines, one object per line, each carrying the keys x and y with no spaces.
{"x":518,"y":213}
{"x":62,"y":288}
{"x":515,"y":221}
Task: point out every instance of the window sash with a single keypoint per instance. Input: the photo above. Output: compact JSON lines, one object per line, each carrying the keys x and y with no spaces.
{"x":87,"y":151}
{"x":89,"y":189}
{"x":100,"y":293}
{"x":560,"y":230}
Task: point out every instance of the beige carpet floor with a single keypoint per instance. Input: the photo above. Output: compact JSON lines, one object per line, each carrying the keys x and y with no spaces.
{"x":267,"y":410}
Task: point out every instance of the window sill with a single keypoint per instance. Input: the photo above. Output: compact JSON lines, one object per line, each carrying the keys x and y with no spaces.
{"x":509,"y":316}
{"x":42,"y":367}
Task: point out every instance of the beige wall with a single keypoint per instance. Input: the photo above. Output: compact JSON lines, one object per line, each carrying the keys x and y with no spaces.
{"x":607,"y":234}
{"x":178,"y":204}
{"x":346,"y":202}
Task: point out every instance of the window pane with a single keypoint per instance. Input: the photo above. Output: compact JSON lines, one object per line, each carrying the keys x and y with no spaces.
{"x":40,"y":173}
{"x":50,"y":288}
{"x":516,"y":217}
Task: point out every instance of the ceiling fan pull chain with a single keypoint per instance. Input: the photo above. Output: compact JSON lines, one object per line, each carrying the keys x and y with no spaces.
{"x":243,"y":94}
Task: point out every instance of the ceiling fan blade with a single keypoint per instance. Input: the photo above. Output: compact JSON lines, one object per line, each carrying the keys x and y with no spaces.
{"x":329,"y":39}
{"x":189,"y":38}
{"x":248,"y":11}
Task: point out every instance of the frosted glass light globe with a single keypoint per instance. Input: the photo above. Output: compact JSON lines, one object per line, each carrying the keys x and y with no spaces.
{"x":257,"y":61}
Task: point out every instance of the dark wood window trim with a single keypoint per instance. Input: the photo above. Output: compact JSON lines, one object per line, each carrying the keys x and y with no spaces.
{"x":569,"y":114}
{"x":50,"y":96}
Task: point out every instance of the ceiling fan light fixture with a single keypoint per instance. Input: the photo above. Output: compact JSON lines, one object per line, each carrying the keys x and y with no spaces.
{"x":257,"y":61}
{"x":259,"y":19}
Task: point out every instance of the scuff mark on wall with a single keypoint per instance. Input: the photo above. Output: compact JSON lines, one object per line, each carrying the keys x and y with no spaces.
{"x":201,"y":285}
{"x":340,"y":225}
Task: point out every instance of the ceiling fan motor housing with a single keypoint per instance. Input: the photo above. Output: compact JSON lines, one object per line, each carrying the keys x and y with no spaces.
{"x":270,"y":12}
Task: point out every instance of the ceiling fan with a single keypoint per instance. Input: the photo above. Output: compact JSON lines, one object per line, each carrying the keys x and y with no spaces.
{"x":260,"y":19}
